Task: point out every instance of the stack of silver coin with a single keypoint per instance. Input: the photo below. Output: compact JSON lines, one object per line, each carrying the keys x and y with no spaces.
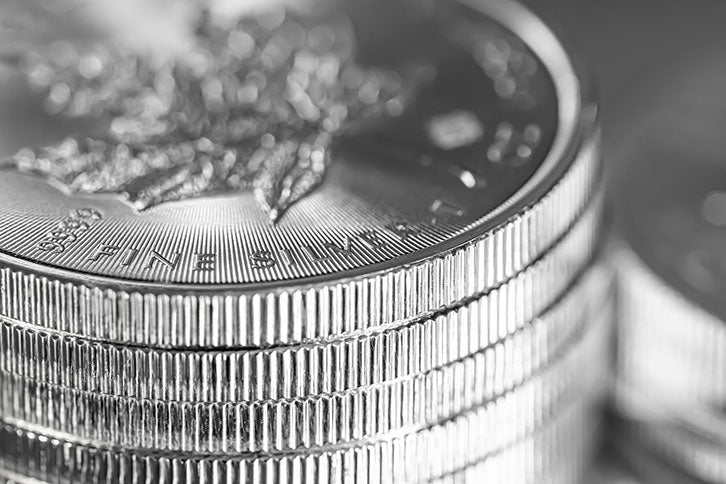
{"x":271,"y":261}
{"x":672,"y":266}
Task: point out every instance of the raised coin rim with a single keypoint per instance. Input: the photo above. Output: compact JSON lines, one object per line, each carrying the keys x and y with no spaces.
{"x":515,"y":304}
{"x":576,"y":126}
{"x":270,"y":320}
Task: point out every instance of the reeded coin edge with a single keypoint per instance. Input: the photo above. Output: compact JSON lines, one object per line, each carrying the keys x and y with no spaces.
{"x":150,"y":386}
{"x":207,"y":428}
{"x":362,"y":414}
{"x":413,"y":457}
{"x":260,"y":320}
{"x":568,"y":458}
{"x":547,"y":294}
{"x":565,"y":466}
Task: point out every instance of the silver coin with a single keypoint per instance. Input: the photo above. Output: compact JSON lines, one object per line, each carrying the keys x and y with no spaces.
{"x":571,"y":339}
{"x":403,"y":203}
{"x":288,"y":372}
{"x":411,"y":458}
{"x":671,"y":266}
{"x":658,"y":352}
{"x":331,"y":419}
{"x":672,"y":333}
{"x":667,"y":190}
{"x":294,"y":257}
{"x":564,"y":463}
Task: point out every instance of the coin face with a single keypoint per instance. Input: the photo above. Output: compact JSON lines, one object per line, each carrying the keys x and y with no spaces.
{"x":671,"y":180}
{"x":406,"y":162}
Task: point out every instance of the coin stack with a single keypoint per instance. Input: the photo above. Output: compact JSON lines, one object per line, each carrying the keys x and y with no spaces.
{"x":671,"y":261}
{"x":268,"y":261}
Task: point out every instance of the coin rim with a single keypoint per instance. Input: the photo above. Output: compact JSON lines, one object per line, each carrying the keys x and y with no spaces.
{"x":105,"y":315}
{"x":576,"y":124}
{"x":541,"y":292}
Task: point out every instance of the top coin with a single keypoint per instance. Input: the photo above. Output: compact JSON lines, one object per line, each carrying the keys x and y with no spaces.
{"x":670,"y":176}
{"x":279,"y":151}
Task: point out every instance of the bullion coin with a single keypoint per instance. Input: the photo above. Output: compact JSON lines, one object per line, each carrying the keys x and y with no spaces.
{"x":670,"y":391}
{"x":417,"y":457}
{"x":299,"y":244}
{"x":522,"y":400}
{"x":658,"y":352}
{"x":373,"y":195}
{"x":564,"y":463}
{"x":667,"y":188}
{"x":671,"y":260}
{"x":293,"y":371}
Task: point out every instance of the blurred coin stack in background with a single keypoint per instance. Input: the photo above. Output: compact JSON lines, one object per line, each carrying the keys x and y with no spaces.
{"x":630,"y":465}
{"x":671,"y":196}
{"x":272,"y":260}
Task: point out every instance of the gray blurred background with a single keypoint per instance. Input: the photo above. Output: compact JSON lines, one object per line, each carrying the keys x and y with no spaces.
{"x":630,"y":45}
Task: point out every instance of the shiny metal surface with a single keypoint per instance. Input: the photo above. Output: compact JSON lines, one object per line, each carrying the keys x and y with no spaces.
{"x":366,"y":199}
{"x":553,"y":468}
{"x":187,"y":374}
{"x":428,"y":455}
{"x":669,"y":344}
{"x":507,"y":379}
{"x":275,"y":317}
{"x":302,"y":248}
{"x":333,"y":420}
{"x":289,"y":372}
{"x":668,"y":195}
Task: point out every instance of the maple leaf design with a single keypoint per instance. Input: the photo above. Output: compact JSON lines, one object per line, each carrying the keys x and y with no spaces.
{"x":255,"y":107}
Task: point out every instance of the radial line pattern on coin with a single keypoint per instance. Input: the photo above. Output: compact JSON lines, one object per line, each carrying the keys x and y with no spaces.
{"x":316,"y":312}
{"x":487,"y":319}
{"x":395,"y":190}
{"x":427,"y":302}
